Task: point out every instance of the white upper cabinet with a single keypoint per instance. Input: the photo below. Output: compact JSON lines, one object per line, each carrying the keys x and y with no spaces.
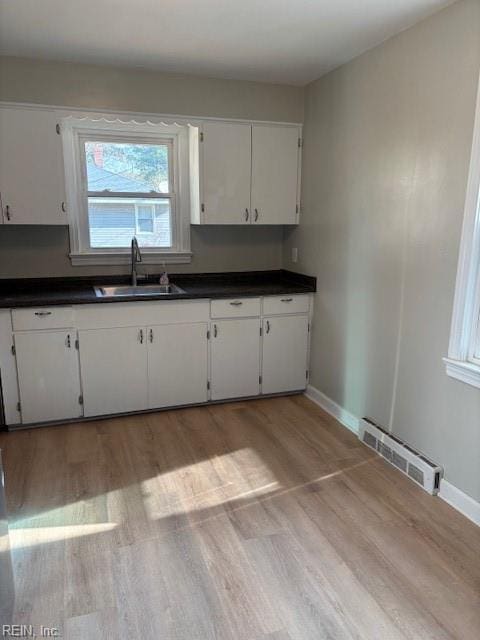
{"x":226,"y":161}
{"x":32,"y":184}
{"x":240,"y":173}
{"x":249,"y":174}
{"x":275,"y":174}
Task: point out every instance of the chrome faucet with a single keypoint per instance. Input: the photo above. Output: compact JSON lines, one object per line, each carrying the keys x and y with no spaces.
{"x":136,"y":257}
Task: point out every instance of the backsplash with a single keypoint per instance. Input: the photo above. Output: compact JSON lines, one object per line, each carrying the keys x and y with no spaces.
{"x":42,"y":251}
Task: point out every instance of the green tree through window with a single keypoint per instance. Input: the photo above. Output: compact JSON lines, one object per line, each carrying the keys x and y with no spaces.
{"x":146,"y":163}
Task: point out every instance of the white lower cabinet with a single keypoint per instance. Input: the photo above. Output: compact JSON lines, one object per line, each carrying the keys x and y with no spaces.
{"x":48,"y":375}
{"x":177,"y":364}
{"x":138,"y":368}
{"x":235,"y":358}
{"x":114,"y":370}
{"x":158,"y":355}
{"x":285,"y":353}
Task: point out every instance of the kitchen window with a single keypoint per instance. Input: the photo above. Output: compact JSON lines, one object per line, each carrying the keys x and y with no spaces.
{"x":463,"y":360}
{"x":127,"y":179}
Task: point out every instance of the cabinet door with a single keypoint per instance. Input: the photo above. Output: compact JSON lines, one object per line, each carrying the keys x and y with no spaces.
{"x":226,"y":167}
{"x":235,"y":358}
{"x":275,"y":174}
{"x":177,"y":364}
{"x":285,"y":345}
{"x":114,"y":370}
{"x":48,"y":375}
{"x":32,"y":184}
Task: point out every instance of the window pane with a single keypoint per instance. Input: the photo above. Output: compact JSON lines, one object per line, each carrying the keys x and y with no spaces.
{"x":113,"y":222}
{"x":137,"y":168}
{"x":145,"y":218}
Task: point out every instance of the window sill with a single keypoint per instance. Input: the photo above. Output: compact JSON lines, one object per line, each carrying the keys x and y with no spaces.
{"x":464,"y":371}
{"x":85,"y":259}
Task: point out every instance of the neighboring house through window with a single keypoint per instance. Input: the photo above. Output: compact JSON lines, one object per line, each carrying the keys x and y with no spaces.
{"x":463,"y":360}
{"x":127,"y":179}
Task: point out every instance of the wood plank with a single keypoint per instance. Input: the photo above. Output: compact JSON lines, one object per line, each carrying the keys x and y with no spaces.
{"x":102,"y":624}
{"x":246,"y":521}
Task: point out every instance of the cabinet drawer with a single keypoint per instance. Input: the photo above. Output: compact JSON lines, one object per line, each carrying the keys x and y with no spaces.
{"x":235,"y":308}
{"x":140,"y":314}
{"x":274,"y":305}
{"x":42,"y":318}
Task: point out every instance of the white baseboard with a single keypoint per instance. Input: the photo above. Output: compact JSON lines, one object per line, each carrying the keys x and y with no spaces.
{"x":460,"y":501}
{"x":342,"y":415}
{"x":448,"y":492}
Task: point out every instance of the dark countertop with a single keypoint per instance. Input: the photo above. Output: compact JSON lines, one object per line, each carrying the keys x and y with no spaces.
{"x":33,"y":292}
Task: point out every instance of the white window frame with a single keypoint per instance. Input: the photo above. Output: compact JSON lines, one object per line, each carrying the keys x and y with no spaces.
{"x":75,"y":131}
{"x":463,"y":361}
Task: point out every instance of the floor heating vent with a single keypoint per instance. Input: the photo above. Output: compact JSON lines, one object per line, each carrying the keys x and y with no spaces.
{"x":412,"y":463}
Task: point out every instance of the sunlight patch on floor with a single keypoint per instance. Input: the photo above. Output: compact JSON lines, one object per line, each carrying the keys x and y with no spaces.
{"x":31,"y":537}
{"x":90,"y":510}
{"x":207,"y":483}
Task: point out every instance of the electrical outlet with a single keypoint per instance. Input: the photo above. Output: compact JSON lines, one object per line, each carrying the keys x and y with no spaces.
{"x":294,"y":254}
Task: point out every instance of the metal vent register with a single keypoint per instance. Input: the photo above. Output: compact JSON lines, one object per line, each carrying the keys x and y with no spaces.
{"x":401,"y":455}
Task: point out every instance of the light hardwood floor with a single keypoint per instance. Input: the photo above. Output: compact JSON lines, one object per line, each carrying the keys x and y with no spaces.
{"x":256,"y":520}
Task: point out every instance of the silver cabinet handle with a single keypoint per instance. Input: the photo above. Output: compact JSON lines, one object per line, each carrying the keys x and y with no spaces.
{"x":267,"y":328}
{"x":286,"y":299}
{"x":64,"y":207}
{"x":41,"y":314}
{"x":236,"y":303}
{"x":69,"y":341}
{"x":7,"y":212}
{"x":150,"y":333}
{"x":246,"y":215}
{"x":256,"y":215}
{"x":215,"y":332}
{"x":140,"y":336}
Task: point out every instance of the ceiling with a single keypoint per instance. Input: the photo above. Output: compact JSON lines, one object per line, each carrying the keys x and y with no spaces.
{"x":284,"y":41}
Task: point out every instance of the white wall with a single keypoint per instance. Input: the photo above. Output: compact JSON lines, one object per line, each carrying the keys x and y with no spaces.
{"x":105,"y":87}
{"x":386,"y":155}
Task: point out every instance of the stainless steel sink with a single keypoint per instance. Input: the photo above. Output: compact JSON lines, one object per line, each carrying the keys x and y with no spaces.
{"x":139,"y":290}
